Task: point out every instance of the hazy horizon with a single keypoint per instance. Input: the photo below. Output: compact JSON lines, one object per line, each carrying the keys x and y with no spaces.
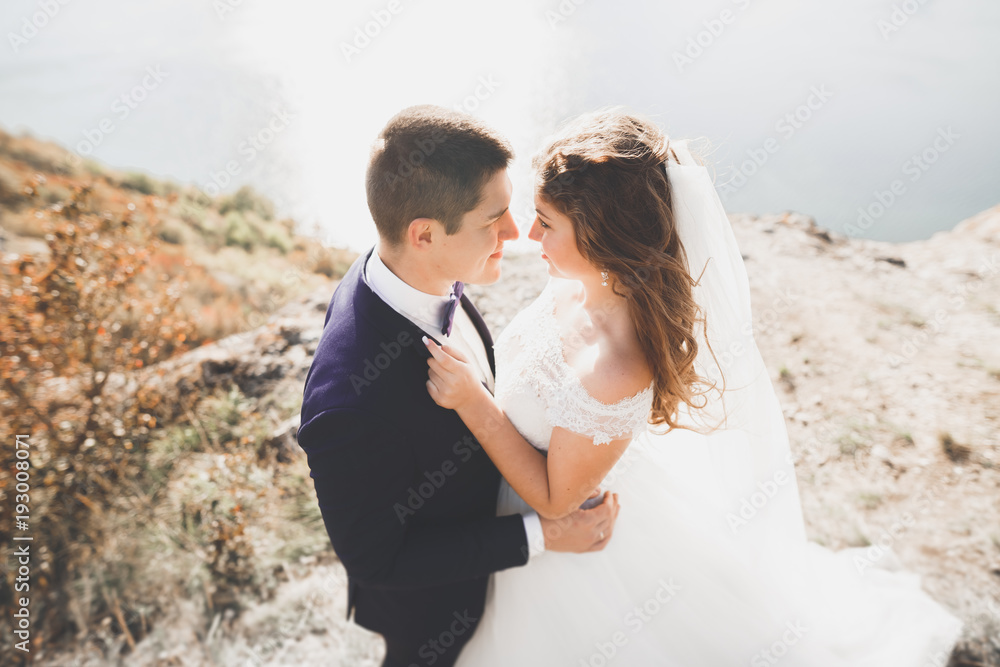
{"x":823,"y":110}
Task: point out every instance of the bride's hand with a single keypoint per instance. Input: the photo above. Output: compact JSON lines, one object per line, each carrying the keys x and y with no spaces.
{"x":452,"y":381}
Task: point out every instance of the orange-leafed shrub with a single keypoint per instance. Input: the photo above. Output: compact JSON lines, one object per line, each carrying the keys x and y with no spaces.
{"x":73,"y":327}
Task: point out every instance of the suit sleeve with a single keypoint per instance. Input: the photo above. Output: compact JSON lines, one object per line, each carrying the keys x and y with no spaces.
{"x":363,"y":471}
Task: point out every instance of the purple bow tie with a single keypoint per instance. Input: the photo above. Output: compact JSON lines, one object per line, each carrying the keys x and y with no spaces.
{"x":453,"y":300}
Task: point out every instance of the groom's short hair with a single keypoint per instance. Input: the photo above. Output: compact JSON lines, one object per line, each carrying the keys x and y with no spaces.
{"x":431,"y":162}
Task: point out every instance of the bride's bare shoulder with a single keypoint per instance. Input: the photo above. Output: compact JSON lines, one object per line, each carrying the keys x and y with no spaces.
{"x":618,"y":374}
{"x":620,"y":369}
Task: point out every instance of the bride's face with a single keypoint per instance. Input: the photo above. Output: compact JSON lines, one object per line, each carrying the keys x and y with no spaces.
{"x":558,"y":238}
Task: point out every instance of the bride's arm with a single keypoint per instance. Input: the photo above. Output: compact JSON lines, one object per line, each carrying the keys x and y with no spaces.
{"x":555,"y":485}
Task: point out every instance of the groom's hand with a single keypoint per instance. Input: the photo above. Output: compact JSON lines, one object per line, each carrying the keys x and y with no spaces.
{"x":583,"y":530}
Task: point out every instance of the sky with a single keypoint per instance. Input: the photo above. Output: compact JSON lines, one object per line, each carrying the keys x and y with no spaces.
{"x":829,"y":109}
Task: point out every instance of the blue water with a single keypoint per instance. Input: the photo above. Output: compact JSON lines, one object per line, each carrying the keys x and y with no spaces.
{"x":829,"y":109}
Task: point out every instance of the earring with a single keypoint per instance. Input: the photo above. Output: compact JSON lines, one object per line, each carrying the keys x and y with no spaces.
{"x":604,"y":278}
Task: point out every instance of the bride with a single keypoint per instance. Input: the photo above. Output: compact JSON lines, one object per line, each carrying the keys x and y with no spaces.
{"x":630,"y":374}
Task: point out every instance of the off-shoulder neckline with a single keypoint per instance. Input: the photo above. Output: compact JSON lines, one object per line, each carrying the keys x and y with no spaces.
{"x":549,"y":311}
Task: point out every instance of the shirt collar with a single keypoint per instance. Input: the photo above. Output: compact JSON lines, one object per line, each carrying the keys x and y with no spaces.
{"x":425,"y":310}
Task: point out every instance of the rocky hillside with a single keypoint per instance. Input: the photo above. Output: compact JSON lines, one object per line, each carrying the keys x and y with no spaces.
{"x":887,"y":364}
{"x":103,"y":272}
{"x":240,"y":260}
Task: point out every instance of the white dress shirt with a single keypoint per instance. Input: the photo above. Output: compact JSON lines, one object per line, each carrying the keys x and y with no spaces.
{"x":427,"y":312}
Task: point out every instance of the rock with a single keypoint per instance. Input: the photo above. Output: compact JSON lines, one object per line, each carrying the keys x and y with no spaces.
{"x":257,"y":361}
{"x":284,"y":439}
{"x":895,"y":261}
{"x":881,"y":452}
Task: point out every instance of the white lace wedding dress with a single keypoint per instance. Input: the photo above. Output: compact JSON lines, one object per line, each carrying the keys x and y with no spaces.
{"x":677,"y":585}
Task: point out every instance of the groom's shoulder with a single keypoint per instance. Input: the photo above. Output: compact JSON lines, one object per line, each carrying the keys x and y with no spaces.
{"x":357,"y":360}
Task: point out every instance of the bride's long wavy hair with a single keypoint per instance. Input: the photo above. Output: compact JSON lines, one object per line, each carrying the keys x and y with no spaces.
{"x":606,"y":172}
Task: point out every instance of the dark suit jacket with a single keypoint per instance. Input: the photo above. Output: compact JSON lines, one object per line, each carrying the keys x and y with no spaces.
{"x":407,"y":494}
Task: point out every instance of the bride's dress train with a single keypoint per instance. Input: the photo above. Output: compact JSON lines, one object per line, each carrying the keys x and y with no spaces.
{"x":687,"y":579}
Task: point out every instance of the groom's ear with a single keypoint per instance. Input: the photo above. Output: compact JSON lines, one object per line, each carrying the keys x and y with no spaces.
{"x":422,"y":232}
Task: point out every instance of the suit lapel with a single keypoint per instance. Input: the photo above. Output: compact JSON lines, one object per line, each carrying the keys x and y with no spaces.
{"x":483,"y":330}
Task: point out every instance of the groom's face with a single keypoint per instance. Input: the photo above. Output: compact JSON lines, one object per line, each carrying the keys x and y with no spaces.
{"x":473,"y":254}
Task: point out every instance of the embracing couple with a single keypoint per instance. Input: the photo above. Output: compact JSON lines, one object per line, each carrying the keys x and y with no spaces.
{"x":472,"y":490}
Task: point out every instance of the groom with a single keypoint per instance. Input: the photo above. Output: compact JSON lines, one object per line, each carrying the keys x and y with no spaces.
{"x":408,"y":495}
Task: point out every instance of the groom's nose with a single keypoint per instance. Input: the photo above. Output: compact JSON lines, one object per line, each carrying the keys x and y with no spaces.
{"x":509,"y":231}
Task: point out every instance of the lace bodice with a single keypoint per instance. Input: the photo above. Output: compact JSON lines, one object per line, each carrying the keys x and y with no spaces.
{"x":538,"y":390}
